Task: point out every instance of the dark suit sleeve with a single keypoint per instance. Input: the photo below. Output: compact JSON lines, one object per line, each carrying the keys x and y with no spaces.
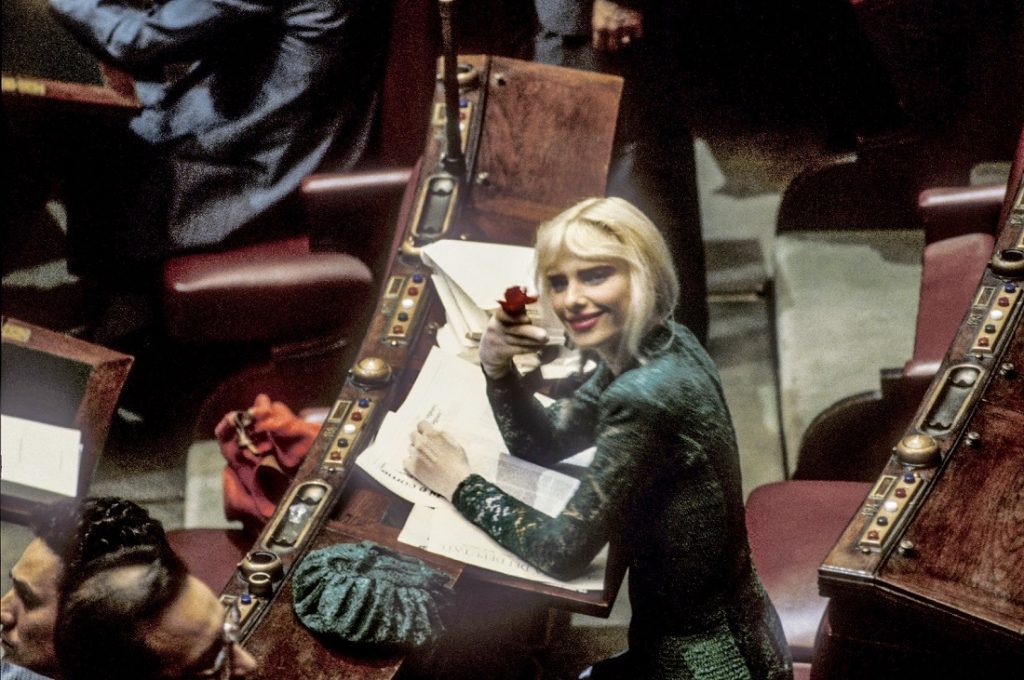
{"x":176,"y":31}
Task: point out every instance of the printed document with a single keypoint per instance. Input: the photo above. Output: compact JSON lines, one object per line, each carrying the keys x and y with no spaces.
{"x":40,"y":455}
{"x":449,"y":392}
{"x":470,"y":277}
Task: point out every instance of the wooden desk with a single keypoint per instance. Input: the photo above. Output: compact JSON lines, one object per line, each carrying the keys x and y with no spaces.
{"x":286,"y":649}
{"x":54,"y":378}
{"x":527,"y":125}
{"x":44,"y":64}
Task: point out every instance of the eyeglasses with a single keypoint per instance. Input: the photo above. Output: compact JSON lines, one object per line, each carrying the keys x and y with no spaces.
{"x":230,"y":632}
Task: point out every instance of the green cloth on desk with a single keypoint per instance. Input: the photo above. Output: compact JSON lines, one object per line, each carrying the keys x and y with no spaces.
{"x":664,"y":489}
{"x":365,"y":593}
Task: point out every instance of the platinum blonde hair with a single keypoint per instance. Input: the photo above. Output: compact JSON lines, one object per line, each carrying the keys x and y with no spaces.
{"x":613,"y":229}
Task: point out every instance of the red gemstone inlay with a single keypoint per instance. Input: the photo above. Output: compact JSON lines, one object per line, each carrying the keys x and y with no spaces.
{"x":982,"y":342}
{"x":396,"y":329}
{"x":357,"y":416}
{"x":872,"y":535}
{"x":335,"y":455}
{"x":1004,"y":302}
{"x":413,"y":290}
{"x":900,"y":493}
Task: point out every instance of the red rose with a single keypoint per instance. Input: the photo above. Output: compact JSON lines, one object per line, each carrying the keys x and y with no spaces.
{"x":516,"y":300}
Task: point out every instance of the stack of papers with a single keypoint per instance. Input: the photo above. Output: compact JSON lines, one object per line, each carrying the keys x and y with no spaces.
{"x":450,"y":393}
{"x":470,"y":277}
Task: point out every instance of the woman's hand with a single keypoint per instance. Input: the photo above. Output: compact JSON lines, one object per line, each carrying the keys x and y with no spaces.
{"x":614,"y":26}
{"x":436,"y":460}
{"x":505,"y":337}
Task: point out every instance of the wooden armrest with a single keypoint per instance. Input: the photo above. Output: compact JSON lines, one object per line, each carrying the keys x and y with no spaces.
{"x":955,"y":211}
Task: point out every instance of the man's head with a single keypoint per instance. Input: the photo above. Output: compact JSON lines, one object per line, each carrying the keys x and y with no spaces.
{"x":137,"y":614}
{"x":68,"y":534}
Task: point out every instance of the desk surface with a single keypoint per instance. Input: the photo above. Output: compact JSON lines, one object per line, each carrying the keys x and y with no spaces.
{"x":285,"y":649}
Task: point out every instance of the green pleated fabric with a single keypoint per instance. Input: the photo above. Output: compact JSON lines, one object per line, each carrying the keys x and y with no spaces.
{"x":364,"y":593}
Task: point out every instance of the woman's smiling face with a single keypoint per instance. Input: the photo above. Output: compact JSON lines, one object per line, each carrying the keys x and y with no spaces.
{"x":591,"y":297}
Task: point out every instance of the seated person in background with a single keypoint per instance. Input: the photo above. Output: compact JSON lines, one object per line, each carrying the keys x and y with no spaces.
{"x":137,"y":614}
{"x":68,"y":534}
{"x":240,"y":100}
{"x":664,"y":486}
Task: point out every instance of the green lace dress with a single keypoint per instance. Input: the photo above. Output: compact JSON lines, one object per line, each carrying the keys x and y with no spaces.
{"x":664,"y":488}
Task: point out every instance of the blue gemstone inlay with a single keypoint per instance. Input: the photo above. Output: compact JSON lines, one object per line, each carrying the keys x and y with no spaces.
{"x":364,"y":402}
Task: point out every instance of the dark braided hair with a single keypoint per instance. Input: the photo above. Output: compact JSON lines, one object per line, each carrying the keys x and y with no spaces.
{"x":103,"y":615}
{"x":79,"y":531}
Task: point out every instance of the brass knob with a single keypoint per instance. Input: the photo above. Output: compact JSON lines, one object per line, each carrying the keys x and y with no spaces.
{"x":372,"y":372}
{"x":1008,"y":263}
{"x":906,"y":548}
{"x":261,"y":562}
{"x":917,"y":449}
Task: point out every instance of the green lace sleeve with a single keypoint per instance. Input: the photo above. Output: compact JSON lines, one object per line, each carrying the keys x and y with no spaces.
{"x":563,"y":546}
{"x":546,"y":435}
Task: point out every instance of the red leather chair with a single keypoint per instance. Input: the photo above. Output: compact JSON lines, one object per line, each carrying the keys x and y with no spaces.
{"x":792,"y":525}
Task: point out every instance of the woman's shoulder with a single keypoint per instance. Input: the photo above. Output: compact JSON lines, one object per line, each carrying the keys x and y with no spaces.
{"x":676,"y":369}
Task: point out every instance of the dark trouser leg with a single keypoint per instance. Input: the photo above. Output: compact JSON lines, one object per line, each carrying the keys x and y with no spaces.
{"x":655,"y":167}
{"x":115,"y":190}
{"x":667,"y":193}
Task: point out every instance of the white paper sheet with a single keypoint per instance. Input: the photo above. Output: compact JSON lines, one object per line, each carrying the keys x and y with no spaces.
{"x":470,"y":278}
{"x":450,"y":393}
{"x":443,"y":531}
{"x":40,"y":455}
{"x":481,"y":270}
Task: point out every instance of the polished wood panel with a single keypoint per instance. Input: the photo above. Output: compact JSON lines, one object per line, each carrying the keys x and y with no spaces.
{"x":969,"y":532}
{"x":536,"y":160}
{"x":927,"y":577}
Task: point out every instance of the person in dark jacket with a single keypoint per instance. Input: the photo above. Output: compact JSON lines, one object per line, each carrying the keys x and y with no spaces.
{"x":239,"y":101}
{"x":648,"y":43}
{"x":664,"y":486}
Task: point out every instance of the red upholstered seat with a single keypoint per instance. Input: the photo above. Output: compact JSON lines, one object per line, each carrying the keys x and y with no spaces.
{"x":792,"y":525}
{"x":276,"y":291}
{"x":211,"y":555}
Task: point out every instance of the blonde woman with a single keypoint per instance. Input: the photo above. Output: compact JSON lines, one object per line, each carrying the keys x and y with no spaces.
{"x":664,"y":486}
